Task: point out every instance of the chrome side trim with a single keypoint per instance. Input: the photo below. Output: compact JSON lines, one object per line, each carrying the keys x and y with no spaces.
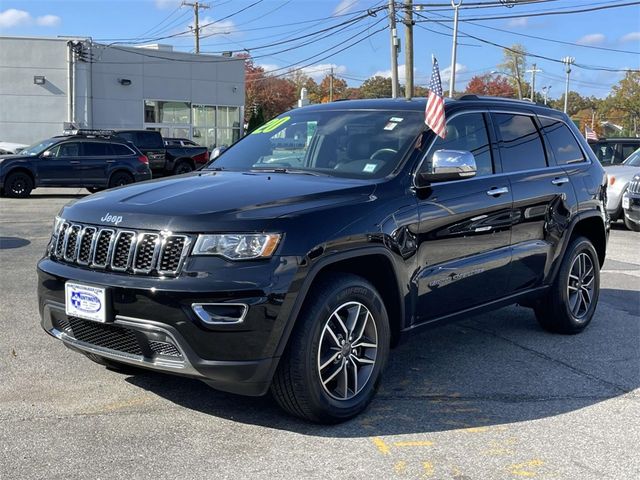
{"x":206,"y":317}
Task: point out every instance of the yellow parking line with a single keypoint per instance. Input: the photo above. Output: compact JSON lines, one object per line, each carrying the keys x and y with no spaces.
{"x":382,"y":447}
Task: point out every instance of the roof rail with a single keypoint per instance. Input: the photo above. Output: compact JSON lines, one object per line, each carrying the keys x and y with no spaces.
{"x":84,"y":132}
{"x":472,"y":96}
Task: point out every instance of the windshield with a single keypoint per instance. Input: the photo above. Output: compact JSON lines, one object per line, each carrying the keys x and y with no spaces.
{"x":354,"y":144}
{"x":38,"y":148}
{"x":633,"y":160}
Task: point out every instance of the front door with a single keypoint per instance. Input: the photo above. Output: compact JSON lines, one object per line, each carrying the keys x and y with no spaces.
{"x":464,"y":233}
{"x":58,"y":167}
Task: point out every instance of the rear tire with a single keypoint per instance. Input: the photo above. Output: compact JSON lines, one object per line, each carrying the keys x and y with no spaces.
{"x":333,"y":363}
{"x":182,"y":167}
{"x":119,"y":179}
{"x":18,"y":185}
{"x":569,"y":305}
{"x":634,"y":227}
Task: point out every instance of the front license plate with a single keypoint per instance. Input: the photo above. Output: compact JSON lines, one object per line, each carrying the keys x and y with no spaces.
{"x":625,"y":203}
{"x":85,"y":301}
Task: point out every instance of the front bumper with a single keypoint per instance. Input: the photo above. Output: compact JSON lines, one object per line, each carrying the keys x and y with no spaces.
{"x":632,"y":213}
{"x":152,"y":323}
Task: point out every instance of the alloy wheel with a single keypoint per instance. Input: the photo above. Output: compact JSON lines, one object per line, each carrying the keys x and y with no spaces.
{"x":581,"y":284}
{"x":348,"y":350}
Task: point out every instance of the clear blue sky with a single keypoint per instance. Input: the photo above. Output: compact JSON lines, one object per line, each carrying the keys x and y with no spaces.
{"x":271,"y":21}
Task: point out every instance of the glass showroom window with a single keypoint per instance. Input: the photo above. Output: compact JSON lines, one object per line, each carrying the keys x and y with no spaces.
{"x":228,"y":126}
{"x":204,"y":125}
{"x":158,"y":111}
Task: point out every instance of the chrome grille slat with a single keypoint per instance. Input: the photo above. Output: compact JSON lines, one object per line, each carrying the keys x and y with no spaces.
{"x":634,"y":186}
{"x":120,"y":250}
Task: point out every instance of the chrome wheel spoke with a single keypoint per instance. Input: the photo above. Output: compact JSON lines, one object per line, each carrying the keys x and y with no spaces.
{"x":347,"y":351}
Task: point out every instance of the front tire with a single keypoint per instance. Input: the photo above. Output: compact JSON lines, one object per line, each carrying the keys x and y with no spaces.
{"x":337,"y":352}
{"x":570,"y":304}
{"x":634,"y":227}
{"x":18,"y":185}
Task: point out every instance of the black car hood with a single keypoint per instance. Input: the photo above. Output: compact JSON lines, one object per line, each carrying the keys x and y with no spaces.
{"x":216,"y":200}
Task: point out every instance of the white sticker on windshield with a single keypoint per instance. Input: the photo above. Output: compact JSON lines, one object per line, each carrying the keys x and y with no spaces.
{"x":390,"y":126}
{"x":370,"y":167}
{"x":396,"y":119}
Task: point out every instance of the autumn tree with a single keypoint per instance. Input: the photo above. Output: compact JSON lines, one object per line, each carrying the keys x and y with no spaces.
{"x":514,"y":61}
{"x":376,"y":87}
{"x":490,"y":85}
{"x":339,"y":89}
{"x":625,"y":96}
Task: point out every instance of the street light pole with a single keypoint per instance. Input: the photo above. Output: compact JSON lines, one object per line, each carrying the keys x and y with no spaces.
{"x":454,"y":47}
{"x":568,"y":61}
{"x":545,"y":91}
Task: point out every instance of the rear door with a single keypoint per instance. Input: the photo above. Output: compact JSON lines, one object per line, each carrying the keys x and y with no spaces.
{"x":543,"y":197}
{"x":96,"y":156}
{"x":464,"y":227}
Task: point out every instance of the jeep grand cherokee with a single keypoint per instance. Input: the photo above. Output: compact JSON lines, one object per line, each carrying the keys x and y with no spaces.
{"x":296,"y":260}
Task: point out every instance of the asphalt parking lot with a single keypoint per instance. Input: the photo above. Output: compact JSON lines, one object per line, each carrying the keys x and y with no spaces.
{"x":491,"y":397}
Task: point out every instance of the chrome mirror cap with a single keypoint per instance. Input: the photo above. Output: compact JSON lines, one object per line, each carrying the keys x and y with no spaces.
{"x":448,"y":165}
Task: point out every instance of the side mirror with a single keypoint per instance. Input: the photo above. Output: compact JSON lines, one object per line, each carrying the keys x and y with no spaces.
{"x":217,"y":152}
{"x":448,"y":165}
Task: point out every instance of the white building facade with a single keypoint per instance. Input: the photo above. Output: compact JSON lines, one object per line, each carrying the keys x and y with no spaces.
{"x":45,"y":82}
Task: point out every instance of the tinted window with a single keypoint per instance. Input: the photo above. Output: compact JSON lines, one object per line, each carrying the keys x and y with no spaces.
{"x":628,"y":149}
{"x":521,"y":147}
{"x":564,"y":145}
{"x":71,"y":149}
{"x":119,"y":149}
{"x":467,"y":132}
{"x":149,"y":140}
{"x":604,"y":152}
{"x":96,"y":149}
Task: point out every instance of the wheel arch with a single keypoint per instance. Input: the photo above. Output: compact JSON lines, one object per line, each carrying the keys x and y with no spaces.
{"x":20,"y":169}
{"x":117,"y":171}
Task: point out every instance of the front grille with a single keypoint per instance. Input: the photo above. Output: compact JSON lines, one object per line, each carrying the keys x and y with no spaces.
{"x":142,"y":253}
{"x":634,"y":186}
{"x":116,"y":337}
{"x":105,"y":336}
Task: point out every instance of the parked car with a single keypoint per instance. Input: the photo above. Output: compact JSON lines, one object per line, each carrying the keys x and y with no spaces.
{"x":612,"y":151}
{"x":166,"y":159}
{"x":88,"y":159}
{"x":179,"y":142}
{"x":619,"y":177}
{"x":10,"y":148}
{"x":631,"y":204}
{"x":309,"y":248}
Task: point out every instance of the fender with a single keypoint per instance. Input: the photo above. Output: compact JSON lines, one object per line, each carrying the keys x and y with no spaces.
{"x":313,"y":272}
{"x":567,"y":236}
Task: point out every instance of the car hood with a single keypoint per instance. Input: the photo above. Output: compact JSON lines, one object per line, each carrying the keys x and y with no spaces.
{"x":223,"y":201}
{"x":622,"y":172}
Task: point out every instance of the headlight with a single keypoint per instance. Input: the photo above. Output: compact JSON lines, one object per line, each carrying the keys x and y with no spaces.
{"x":237,"y":246}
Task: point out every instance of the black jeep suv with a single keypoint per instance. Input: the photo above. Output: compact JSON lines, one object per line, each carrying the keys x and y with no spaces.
{"x":297,"y":259}
{"x":90,"y":159}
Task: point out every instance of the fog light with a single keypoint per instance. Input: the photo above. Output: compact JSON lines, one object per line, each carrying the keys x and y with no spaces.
{"x":220,"y":313}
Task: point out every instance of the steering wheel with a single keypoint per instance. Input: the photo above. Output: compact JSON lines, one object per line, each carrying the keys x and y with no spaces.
{"x":383,"y":152}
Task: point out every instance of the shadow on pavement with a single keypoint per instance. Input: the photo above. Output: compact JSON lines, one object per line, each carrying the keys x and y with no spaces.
{"x":489,"y":370}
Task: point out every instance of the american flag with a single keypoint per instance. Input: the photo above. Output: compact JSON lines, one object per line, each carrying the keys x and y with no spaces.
{"x":434,"y":113}
{"x":589,"y":134}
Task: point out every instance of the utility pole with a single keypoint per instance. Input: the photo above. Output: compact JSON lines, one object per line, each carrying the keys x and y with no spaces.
{"x":454,"y":47}
{"x":197,"y":6}
{"x":331,"y":85}
{"x":545,"y":92}
{"x":568,"y":61}
{"x":533,"y":72}
{"x":408,"y":48}
{"x":394,"y":49}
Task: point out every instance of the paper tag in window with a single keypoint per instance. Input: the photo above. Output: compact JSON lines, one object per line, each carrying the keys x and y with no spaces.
{"x":390,"y":126}
{"x":370,"y":167}
{"x":396,"y":119}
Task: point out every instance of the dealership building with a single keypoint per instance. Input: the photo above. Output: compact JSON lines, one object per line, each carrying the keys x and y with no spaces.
{"x":46,"y":83}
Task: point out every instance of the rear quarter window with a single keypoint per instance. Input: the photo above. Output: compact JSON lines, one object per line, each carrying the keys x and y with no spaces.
{"x":563,"y":144}
{"x":119,"y":149}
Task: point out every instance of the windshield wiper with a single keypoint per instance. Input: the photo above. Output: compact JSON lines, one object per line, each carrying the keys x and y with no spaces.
{"x":290,"y":170}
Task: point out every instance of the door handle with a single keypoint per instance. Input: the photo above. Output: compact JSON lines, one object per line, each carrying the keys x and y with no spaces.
{"x":74,"y":162}
{"x":560,"y":180}
{"x":494,"y":192}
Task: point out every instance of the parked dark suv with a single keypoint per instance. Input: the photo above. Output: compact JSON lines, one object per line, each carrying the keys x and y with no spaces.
{"x":295,"y":260}
{"x":89,"y":159}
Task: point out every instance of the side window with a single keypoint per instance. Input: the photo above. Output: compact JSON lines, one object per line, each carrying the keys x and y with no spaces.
{"x":521,"y":147}
{"x":628,"y":149}
{"x":150,"y":140}
{"x":119,"y":149}
{"x":70,"y":149}
{"x":96,"y":149}
{"x":563,"y":144}
{"x":129,"y":137}
{"x":467,"y":132}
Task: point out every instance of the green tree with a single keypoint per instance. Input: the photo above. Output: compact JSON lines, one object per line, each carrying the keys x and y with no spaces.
{"x":376,"y":87}
{"x":514,"y":62}
{"x":625,"y":96}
